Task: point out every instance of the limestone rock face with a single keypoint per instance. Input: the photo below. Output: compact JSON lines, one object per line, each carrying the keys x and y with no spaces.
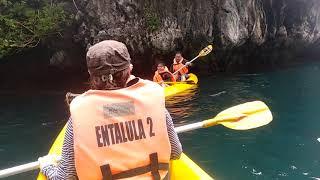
{"x":246,"y":33}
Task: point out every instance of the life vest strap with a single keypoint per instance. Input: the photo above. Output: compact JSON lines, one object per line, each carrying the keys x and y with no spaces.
{"x":106,"y":172}
{"x":153,"y":167}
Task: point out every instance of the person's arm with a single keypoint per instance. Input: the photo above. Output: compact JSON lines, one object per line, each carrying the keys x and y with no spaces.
{"x":66,"y":167}
{"x":176,"y":148}
{"x":186,"y":62}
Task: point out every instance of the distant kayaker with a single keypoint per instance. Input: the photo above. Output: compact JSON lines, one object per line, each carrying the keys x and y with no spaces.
{"x":163,"y":74}
{"x":179,"y":62}
{"x":118,"y":129}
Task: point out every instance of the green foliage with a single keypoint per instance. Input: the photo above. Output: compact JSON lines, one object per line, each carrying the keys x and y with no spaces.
{"x":152,"y":19}
{"x":24,"y":23}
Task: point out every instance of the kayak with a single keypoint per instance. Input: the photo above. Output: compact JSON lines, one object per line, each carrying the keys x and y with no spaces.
{"x":179,"y":87}
{"x":183,"y":168}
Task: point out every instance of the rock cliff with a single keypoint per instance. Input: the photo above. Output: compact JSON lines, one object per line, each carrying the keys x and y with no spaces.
{"x":248,"y":35}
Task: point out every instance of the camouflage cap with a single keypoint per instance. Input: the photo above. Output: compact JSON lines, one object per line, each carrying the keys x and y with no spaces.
{"x":107,"y":57}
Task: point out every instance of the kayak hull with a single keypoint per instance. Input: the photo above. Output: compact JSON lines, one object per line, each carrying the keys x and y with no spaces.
{"x":185,"y":168}
{"x":181,"y":86}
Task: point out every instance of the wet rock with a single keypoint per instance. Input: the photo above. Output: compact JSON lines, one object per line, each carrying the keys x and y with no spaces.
{"x":246,"y":33}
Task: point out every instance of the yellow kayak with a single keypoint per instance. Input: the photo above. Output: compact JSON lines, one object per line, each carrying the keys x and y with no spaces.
{"x":183,"y":168}
{"x":179,"y":87}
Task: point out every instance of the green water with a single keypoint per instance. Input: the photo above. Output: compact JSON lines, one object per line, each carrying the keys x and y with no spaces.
{"x":285,"y":149}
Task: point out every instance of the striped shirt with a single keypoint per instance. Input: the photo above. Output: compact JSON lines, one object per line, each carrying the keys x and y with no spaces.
{"x":66,"y":167}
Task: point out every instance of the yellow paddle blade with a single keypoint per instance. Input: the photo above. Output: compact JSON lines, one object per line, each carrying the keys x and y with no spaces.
{"x":242,"y":117}
{"x":205,"y":51}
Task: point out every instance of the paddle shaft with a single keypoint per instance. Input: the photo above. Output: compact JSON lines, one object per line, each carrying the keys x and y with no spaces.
{"x":186,"y":65}
{"x":203,"y":52}
{"x":19,"y":169}
{"x":35,"y":165}
{"x":189,"y":127}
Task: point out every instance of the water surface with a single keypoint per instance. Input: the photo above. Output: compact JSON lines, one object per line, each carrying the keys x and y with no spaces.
{"x":285,"y":149}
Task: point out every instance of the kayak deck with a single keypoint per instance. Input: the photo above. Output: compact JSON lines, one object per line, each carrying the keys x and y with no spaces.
{"x":185,"y":168}
{"x":181,"y":86}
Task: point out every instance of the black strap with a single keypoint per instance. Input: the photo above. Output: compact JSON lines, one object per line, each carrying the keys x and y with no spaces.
{"x":106,"y":172}
{"x":153,"y":167}
{"x":138,"y":171}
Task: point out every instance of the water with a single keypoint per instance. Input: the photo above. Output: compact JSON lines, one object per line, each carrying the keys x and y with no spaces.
{"x":285,"y":149}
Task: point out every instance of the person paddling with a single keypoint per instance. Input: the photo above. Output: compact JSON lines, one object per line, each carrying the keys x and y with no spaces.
{"x":118,"y":129}
{"x":163,"y":74}
{"x":179,"y":62}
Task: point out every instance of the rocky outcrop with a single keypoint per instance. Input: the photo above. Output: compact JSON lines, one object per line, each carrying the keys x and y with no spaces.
{"x":247,"y":34}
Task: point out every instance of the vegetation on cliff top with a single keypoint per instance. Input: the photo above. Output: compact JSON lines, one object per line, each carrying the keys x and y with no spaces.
{"x":25,"y":23}
{"x":152,"y":20}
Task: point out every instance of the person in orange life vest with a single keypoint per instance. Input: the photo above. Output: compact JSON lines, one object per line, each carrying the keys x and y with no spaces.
{"x":163,"y":74}
{"x":117,"y":126}
{"x":179,"y":62}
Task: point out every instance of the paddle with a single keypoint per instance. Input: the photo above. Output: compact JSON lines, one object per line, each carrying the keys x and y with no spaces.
{"x":241,"y":117}
{"x":202,"y":53}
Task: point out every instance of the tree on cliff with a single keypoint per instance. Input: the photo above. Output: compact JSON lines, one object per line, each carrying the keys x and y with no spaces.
{"x":24,"y":23}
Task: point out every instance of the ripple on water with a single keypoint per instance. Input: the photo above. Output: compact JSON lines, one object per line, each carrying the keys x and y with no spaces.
{"x":283,"y":174}
{"x":293,"y":167}
{"x":315,"y":178}
{"x":255,"y":172}
{"x":49,"y":123}
{"x":15,"y":125}
{"x":244,"y":167}
{"x":218,"y":94}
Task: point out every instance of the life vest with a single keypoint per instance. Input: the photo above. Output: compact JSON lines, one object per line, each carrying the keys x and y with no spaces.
{"x":121,"y":133}
{"x":177,"y":66}
{"x":157,"y":76}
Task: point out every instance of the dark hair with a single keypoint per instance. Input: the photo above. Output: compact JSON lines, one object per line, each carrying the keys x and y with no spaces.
{"x":161,"y":63}
{"x":119,"y":81}
{"x":178,"y":52}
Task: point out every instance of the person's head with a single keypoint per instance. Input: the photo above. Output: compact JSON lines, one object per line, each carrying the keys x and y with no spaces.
{"x":161,"y":67}
{"x":108,"y":64}
{"x":178,"y":57}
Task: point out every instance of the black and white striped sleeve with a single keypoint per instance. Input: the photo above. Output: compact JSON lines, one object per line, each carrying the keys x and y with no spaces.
{"x":176,"y":148}
{"x":66,"y":167}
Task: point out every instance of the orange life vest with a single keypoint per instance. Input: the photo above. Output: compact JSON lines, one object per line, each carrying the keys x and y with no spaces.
{"x":177,"y":66}
{"x":121,"y":133}
{"x":157,"y":77}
